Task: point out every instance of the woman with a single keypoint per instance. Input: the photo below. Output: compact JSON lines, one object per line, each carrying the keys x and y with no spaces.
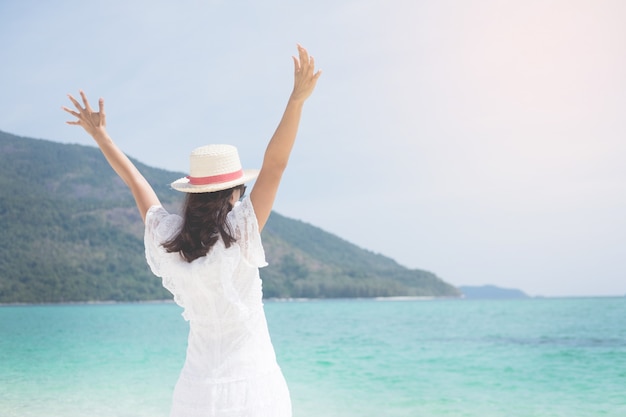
{"x":209,"y":260}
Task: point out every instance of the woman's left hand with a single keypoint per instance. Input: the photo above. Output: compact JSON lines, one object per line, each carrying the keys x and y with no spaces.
{"x":93,"y":122}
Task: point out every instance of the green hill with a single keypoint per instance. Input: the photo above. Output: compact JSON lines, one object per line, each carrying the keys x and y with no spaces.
{"x":69,"y":231}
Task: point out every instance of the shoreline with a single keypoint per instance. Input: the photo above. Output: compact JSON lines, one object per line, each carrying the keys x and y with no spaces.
{"x":69,"y":303}
{"x":303,"y":300}
{"x":265,"y":300}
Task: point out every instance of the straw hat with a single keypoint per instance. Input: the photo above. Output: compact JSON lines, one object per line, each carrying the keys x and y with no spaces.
{"x":214,"y":168}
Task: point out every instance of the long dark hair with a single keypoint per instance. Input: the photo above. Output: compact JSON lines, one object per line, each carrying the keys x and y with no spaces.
{"x":204,"y":221}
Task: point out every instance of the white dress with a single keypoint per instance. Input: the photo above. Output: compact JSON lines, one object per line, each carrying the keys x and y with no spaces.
{"x":230,"y":368}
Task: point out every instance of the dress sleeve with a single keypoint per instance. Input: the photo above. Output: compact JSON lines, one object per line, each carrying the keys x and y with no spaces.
{"x":152,"y":238}
{"x":247,"y":233}
{"x":160,"y":227}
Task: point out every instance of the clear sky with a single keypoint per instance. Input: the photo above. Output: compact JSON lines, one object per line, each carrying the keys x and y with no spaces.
{"x":483,"y":140}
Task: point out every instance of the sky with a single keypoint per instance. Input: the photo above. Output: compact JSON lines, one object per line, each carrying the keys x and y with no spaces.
{"x":482,"y":140}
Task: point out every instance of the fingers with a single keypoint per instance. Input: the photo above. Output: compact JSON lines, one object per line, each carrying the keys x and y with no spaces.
{"x":306,"y":63}
{"x":305,"y":77}
{"x":296,"y":65}
{"x":87,"y":117}
{"x":101,"y":111}
{"x":70,"y":111}
{"x":75,"y":102}
{"x":302,"y":52}
{"x":304,"y":57}
{"x":87,"y":106}
{"x":312,"y":62}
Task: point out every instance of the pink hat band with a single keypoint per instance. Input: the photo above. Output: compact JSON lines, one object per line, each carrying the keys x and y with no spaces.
{"x":215,"y":179}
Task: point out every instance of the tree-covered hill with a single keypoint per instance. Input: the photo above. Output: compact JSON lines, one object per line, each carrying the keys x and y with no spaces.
{"x":69,"y":231}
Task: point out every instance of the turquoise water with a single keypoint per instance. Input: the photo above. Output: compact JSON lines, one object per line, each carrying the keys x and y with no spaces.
{"x":539,"y":357}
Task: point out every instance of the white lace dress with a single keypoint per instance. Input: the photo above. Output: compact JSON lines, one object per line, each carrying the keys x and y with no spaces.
{"x":230,"y":368}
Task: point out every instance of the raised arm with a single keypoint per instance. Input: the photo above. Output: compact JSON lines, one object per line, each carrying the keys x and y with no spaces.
{"x":279,"y":148}
{"x":94,"y":123}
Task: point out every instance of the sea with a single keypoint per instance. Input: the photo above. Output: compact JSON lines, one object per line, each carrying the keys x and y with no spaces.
{"x":543,"y":357}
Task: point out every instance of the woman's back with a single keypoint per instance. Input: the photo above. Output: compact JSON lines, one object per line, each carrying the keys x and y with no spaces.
{"x":229,"y":352}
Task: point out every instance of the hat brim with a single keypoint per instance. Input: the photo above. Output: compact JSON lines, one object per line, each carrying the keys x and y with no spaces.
{"x":184,"y":186}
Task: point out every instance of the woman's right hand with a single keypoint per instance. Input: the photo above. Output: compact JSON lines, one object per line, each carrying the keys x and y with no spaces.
{"x":94,"y":123}
{"x":278,"y":150}
{"x":305,"y":77}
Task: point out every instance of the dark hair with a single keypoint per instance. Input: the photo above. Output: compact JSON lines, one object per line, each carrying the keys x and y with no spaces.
{"x":204,"y":221}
